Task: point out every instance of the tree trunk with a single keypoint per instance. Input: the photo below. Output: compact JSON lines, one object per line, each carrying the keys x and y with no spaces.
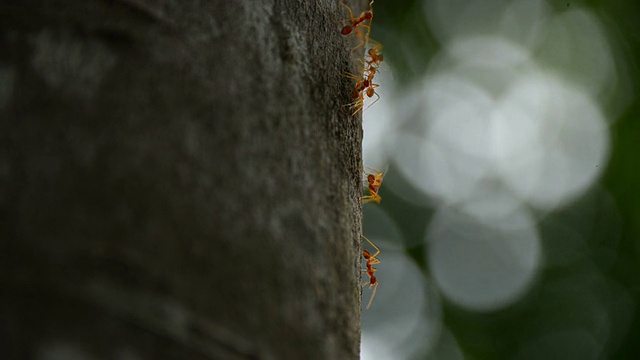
{"x":178,"y":180}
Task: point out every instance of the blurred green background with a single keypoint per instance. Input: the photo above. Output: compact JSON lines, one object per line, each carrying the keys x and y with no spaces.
{"x":581,"y":301}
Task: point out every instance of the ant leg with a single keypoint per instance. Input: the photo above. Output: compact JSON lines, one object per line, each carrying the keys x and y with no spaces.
{"x":357,"y":105}
{"x":363,"y":38}
{"x":375,"y":289}
{"x":349,"y":75}
{"x":374,"y":261}
{"x":371,"y":198}
{"x":354,"y":105}
{"x":357,"y":78}
{"x":374,"y":245}
{"x":351,"y":18}
{"x":376,"y":171}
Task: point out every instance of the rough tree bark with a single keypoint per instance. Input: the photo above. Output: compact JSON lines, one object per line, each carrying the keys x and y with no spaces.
{"x":178,"y":179}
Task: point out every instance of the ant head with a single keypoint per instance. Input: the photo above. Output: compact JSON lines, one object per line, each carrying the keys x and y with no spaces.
{"x":370,"y":177}
{"x":366,"y":254}
{"x":368,"y":15}
{"x":346,"y":30}
{"x":373,"y":280}
{"x":355,"y":94}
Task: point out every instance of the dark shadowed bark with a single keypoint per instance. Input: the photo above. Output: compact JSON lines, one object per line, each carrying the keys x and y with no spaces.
{"x":178,"y":179}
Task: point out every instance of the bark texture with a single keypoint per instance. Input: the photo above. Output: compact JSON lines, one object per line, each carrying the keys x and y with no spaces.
{"x":178,"y":180}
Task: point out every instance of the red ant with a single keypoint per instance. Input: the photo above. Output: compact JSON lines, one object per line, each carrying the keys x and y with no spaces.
{"x":370,"y":91}
{"x":375,"y":182}
{"x":354,"y":22}
{"x":372,"y":259}
{"x":366,"y":86}
{"x":375,"y":56}
{"x":372,"y":67}
{"x":363,"y":87}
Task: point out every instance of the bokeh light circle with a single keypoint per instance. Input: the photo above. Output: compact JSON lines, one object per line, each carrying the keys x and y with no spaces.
{"x":483,"y":265}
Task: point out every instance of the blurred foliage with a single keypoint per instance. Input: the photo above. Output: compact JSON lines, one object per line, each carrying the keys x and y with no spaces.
{"x":608,"y":216}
